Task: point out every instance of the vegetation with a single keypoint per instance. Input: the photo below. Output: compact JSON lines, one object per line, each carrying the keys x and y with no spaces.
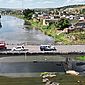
{"x":81,"y":58}
{"x":28,"y":13}
{"x":20,"y":81}
{"x":63,"y":23}
{"x":61,"y":78}
{"x":83,"y":11}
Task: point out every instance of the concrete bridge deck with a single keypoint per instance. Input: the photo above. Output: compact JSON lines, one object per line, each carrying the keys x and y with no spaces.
{"x":35,"y":49}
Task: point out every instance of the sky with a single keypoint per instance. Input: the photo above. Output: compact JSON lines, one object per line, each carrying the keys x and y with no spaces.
{"x":38,"y":3}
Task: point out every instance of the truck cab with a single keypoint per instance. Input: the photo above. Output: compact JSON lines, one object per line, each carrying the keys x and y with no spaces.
{"x":2,"y":45}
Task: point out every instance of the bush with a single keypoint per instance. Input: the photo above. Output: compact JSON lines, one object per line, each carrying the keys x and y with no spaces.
{"x":63,"y":23}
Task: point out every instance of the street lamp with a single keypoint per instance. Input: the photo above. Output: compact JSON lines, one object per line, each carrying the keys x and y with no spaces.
{"x":25,"y":56}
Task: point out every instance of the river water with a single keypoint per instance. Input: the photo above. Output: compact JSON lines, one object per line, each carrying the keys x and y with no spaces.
{"x":32,"y":66}
{"x":13,"y":31}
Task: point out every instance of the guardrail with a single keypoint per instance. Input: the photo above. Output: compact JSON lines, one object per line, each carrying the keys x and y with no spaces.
{"x":38,"y":52}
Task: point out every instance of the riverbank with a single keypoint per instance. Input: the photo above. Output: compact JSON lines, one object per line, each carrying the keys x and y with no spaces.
{"x":59,"y":36}
{"x":20,"y":81}
{"x":62,"y":79}
{"x":82,"y":58}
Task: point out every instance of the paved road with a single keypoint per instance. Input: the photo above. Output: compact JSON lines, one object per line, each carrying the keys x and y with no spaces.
{"x":60,"y":48}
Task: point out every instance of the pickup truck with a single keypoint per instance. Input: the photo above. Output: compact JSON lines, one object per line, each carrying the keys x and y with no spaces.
{"x":2,"y":45}
{"x":18,"y":48}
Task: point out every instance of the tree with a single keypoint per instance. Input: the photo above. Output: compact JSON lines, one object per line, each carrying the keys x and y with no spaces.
{"x":63,"y":23}
{"x":28,"y":13}
{"x":83,"y":11}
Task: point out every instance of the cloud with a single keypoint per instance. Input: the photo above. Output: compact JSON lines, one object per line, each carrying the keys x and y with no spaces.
{"x":45,"y":1}
{"x":38,"y":3}
{"x":11,"y":1}
{"x":75,"y":1}
{"x":27,"y":0}
{"x":18,"y":1}
{"x":48,"y":2}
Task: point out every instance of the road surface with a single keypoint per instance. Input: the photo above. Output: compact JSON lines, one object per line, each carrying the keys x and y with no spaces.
{"x":60,"y":48}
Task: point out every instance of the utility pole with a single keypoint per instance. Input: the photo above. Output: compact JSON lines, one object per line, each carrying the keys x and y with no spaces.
{"x":0,"y":17}
{"x":0,"y":21}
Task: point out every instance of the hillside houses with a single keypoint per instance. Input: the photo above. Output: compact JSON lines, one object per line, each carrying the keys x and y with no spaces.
{"x":80,"y":25}
{"x":73,"y":14}
{"x":46,"y":21}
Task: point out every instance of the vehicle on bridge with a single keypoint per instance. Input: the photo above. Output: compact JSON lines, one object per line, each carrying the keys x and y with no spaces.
{"x":2,"y":45}
{"x":47,"y":48}
{"x":18,"y":48}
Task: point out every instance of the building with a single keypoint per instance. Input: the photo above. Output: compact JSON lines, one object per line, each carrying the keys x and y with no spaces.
{"x":80,"y":25}
{"x":47,"y":21}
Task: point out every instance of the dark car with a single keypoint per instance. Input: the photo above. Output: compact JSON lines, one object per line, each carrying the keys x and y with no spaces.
{"x":47,"y":48}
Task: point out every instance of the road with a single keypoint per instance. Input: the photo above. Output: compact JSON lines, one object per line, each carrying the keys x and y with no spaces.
{"x":60,"y":48}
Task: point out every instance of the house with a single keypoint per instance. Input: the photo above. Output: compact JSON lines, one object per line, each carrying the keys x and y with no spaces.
{"x":63,"y":16}
{"x":71,"y":17}
{"x":80,"y":25}
{"x":51,"y":18}
{"x":40,"y":16}
{"x":47,"y":21}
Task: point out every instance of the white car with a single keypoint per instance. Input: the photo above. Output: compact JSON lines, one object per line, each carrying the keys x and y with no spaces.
{"x":18,"y":48}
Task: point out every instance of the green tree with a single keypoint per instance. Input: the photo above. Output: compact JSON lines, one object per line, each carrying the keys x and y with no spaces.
{"x":63,"y":23}
{"x":28,"y":13}
{"x":83,"y":11}
{"x":51,"y":25}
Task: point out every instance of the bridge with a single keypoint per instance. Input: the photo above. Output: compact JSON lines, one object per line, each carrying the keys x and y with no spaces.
{"x":35,"y":49}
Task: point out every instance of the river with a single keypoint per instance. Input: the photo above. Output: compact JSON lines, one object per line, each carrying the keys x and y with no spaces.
{"x":13,"y":31}
{"x":32,"y":66}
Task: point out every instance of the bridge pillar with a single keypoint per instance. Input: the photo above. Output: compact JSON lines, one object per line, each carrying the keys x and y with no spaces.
{"x":69,"y":63}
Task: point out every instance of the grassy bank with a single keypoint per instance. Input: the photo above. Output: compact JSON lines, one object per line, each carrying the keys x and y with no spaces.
{"x":18,"y":16}
{"x":81,"y":58}
{"x":20,"y":81}
{"x":62,"y":79}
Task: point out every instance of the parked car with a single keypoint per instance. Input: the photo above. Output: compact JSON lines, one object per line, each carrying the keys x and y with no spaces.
{"x":2,"y":45}
{"x":47,"y":48}
{"x":18,"y":48}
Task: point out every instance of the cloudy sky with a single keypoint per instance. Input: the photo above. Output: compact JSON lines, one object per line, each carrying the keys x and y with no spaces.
{"x":38,"y":3}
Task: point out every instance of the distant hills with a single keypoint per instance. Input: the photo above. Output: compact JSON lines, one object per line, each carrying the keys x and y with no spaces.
{"x":8,"y":9}
{"x":64,"y":7}
{"x":73,"y":6}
